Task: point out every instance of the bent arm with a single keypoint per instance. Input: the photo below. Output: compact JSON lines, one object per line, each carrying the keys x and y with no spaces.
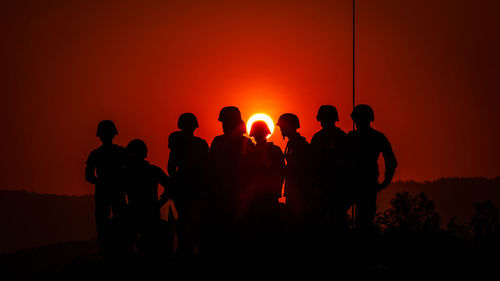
{"x":390,"y":164}
{"x":172,"y":163}
{"x":164,"y":181}
{"x":90,"y":174}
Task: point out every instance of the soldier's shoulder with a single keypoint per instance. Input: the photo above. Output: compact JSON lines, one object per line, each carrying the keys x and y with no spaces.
{"x":174,"y":135}
{"x":380,"y":137}
{"x":200,"y":141}
{"x":155,"y":169}
{"x":302,"y":141}
{"x":352,"y":133}
{"x":317,"y":136}
{"x":276,"y":149}
{"x":341,"y":132}
{"x":96,"y":150}
{"x":95,"y":153}
{"x":378,"y":133}
{"x":174,"y":138}
{"x":118,"y":150}
{"x":247,"y":139}
{"x":217,"y":140}
{"x":118,"y":147}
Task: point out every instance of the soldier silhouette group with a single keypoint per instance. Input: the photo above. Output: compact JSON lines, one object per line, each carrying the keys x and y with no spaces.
{"x":227,"y":194}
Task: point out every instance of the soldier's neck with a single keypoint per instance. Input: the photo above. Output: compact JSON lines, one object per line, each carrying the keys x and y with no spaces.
{"x":188,"y":133}
{"x":363,"y":128}
{"x":107,"y":143}
{"x":261,"y":141}
{"x":294,"y":135}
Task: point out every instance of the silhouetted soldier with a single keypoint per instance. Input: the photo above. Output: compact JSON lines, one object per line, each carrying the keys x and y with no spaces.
{"x":141,"y":185}
{"x":264,"y":170}
{"x":104,"y":168}
{"x":297,"y":171}
{"x":225,"y":155}
{"x":365,"y":146}
{"x":330,"y":167}
{"x":187,"y":169}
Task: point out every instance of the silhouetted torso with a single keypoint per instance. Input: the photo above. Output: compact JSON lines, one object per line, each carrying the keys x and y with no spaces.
{"x":258,"y":208}
{"x":226,"y":153}
{"x":297,"y":178}
{"x":328,"y":147}
{"x":187,"y":163}
{"x":225,"y":163}
{"x":108,"y":161}
{"x":104,"y":168}
{"x":330,"y":164}
{"x":264,"y":169}
{"x":365,"y":148}
{"x":298,"y":165}
{"x":141,"y":183}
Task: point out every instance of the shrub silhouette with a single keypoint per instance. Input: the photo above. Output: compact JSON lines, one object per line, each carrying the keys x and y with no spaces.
{"x":409,"y":213}
{"x":486,"y":224}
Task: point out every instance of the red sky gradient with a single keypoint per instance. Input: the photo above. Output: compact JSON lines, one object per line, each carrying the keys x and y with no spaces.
{"x":430,"y":70}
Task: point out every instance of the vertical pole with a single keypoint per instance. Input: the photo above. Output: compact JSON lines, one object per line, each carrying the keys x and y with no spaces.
{"x":353,"y":208}
{"x":353,"y":56}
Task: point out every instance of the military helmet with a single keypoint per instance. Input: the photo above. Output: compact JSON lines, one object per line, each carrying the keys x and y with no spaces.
{"x":137,"y":148}
{"x":106,"y":128}
{"x":259,"y":126}
{"x":187,"y":121}
{"x":290,"y":119}
{"x":363,"y":112}
{"x":230,"y":114}
{"x":327,"y":113}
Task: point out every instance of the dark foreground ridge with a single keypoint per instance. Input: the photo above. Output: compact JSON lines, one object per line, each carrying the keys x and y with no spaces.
{"x":412,"y":241}
{"x":452,"y":197}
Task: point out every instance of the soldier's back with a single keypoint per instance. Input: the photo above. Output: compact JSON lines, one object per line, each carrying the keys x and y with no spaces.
{"x":366,"y":147}
{"x":264,"y":167}
{"x":108,"y":162}
{"x":297,"y":155}
{"x":329,"y":151}
{"x":226,"y":153}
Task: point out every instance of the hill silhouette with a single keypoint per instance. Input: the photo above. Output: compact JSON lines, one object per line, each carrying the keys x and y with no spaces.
{"x":31,"y":220}
{"x":452,"y":196}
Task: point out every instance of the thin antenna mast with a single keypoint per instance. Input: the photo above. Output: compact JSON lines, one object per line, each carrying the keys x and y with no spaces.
{"x":353,"y":56}
{"x":353,"y":208}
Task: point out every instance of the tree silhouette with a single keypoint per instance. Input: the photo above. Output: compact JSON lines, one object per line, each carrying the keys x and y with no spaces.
{"x":409,"y":213}
{"x":486,"y":224}
{"x":459,"y":229}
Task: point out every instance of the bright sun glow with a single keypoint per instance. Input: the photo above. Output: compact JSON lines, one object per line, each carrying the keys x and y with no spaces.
{"x":263,"y":117}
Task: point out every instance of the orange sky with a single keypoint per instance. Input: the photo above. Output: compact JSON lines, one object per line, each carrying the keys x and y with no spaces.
{"x":430,"y":70}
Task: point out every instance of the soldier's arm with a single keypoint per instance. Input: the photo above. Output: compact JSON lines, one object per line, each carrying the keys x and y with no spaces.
{"x":390,"y":163}
{"x":280,"y":165}
{"x":172,"y":157}
{"x":172,"y":163}
{"x":165,"y":182}
{"x":90,"y":170}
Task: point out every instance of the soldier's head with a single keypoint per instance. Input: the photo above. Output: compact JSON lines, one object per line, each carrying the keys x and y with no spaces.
{"x":136,"y":151}
{"x":327,"y":115}
{"x":260,"y":131}
{"x":362,"y":115}
{"x":187,"y":122}
{"x":106,"y":131}
{"x":230,"y":116}
{"x":288,"y":123}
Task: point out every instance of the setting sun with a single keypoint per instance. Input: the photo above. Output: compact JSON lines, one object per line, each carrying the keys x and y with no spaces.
{"x":263,"y":117}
